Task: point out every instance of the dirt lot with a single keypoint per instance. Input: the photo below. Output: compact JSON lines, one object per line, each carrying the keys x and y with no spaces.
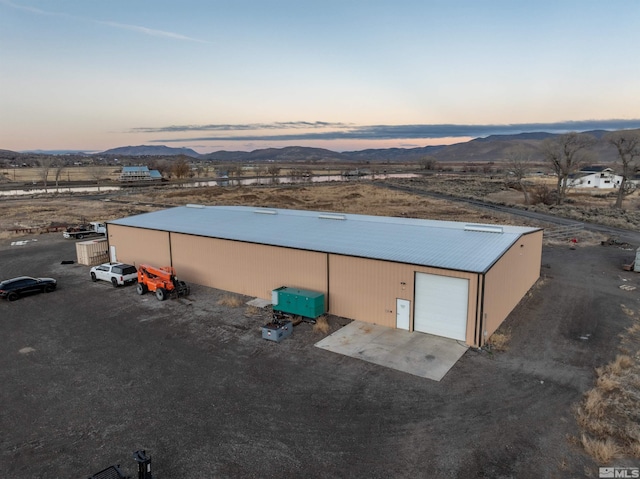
{"x":90,"y":373}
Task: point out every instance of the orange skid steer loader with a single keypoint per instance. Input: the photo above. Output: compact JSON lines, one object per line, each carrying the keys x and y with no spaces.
{"x":162,"y":281}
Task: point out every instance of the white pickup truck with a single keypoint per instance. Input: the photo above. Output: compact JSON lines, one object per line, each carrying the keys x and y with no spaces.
{"x":92,"y":229}
{"x":117,"y":274}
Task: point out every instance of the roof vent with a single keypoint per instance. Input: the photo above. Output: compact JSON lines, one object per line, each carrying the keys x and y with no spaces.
{"x":484,"y":228}
{"x":266,"y":212}
{"x":332,"y":217}
{"x":195,"y":206}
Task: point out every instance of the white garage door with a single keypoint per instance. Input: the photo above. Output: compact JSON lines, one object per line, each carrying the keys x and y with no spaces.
{"x":441,"y":305}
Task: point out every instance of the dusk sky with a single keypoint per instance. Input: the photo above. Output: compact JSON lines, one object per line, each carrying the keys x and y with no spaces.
{"x":344,"y":75}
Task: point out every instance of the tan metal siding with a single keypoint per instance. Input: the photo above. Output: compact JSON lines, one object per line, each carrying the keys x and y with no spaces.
{"x":367,"y":289}
{"x":140,"y":246}
{"x":246,"y":268}
{"x":509,"y":279}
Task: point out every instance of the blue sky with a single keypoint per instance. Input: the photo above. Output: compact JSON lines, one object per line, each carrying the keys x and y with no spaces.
{"x":344,"y":75}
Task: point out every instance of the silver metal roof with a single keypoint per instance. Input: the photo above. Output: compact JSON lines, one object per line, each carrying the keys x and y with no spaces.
{"x":440,"y":244}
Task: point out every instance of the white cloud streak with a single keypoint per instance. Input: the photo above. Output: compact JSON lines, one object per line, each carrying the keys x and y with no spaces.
{"x":122,"y":26}
{"x":25,"y":8}
{"x":392,"y":132}
{"x":149,"y":31}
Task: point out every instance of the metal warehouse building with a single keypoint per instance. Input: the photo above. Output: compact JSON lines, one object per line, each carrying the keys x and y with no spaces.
{"x":444,"y":278}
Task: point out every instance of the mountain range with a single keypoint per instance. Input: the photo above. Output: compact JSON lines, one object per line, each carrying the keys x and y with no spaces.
{"x":491,"y":148}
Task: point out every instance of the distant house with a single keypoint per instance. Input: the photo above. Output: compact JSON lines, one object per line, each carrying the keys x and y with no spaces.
{"x":596,"y":177}
{"x":139,"y":173}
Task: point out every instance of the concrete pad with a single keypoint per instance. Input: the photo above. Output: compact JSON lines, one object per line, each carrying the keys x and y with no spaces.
{"x":259,"y":302}
{"x":419,"y":354}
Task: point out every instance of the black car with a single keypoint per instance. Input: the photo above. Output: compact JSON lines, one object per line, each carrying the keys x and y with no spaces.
{"x":12,"y":289}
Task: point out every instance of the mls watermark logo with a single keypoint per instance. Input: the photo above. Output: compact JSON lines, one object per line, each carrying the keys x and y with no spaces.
{"x":624,"y":472}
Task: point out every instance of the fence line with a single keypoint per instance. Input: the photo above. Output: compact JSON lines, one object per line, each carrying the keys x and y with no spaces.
{"x":563,"y":232}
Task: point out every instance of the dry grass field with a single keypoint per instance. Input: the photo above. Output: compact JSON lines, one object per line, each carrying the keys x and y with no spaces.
{"x":43,"y":212}
{"x":360,"y":198}
{"x":587,"y":206}
{"x":609,"y":411}
{"x":67,"y":174}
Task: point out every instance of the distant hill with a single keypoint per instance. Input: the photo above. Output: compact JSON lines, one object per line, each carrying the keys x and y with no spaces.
{"x":293,"y":154}
{"x":288,"y":154}
{"x":496,"y":148}
{"x":8,"y":154}
{"x":58,"y":152}
{"x":150,"y":150}
{"x":393,"y":154}
{"x":536,"y":135}
{"x":485,"y":149}
{"x":490,"y":148}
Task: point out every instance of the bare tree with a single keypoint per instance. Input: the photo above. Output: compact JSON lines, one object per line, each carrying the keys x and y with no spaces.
{"x":295,"y":175}
{"x":59,"y":168}
{"x":428,"y":163}
{"x":375,"y":170}
{"x":628,"y":145}
{"x":98,"y":173}
{"x":260,"y":171}
{"x":235,"y":170}
{"x":566,"y":155}
{"x":273,"y":170}
{"x":162,"y":166}
{"x":45,"y":167}
{"x":181,"y":168}
{"x":518,"y":164}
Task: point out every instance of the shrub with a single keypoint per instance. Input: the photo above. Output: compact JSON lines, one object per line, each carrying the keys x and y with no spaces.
{"x":622,"y":362}
{"x":542,"y":194}
{"x":499,"y":341}
{"x":594,"y":404}
{"x":601,"y":450}
{"x":321,"y":326}
{"x":230,"y":301}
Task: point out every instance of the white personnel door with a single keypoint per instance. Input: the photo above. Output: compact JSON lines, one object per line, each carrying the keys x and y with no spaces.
{"x":403,"y":309}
